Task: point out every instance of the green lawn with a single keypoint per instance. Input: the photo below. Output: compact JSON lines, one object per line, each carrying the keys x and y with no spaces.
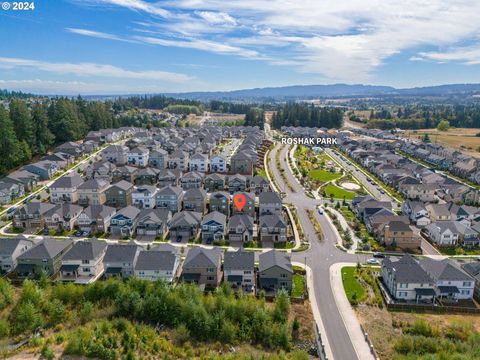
{"x":284,"y":245}
{"x":458,"y":251}
{"x":323,"y":175}
{"x":298,"y":286}
{"x":338,"y":193}
{"x":354,"y":291}
{"x":262,"y":172}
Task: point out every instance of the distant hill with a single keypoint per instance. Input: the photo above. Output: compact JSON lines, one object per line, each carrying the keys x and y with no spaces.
{"x":323,"y":91}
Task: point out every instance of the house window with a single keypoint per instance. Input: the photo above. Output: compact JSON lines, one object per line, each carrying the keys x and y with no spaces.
{"x":403,"y":285}
{"x":467,"y":283}
{"x":210,"y":278}
{"x":86,"y":269}
{"x":85,"y":261}
{"x":402,"y":294}
{"x":283,"y":276}
{"x":465,"y":292}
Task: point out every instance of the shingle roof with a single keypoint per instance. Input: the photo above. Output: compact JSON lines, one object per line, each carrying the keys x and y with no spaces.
{"x":8,"y":245}
{"x":275,"y":258}
{"x":269,"y":197}
{"x":120,"y":253}
{"x":239,"y":260}
{"x":215,"y":216}
{"x":68,"y":182}
{"x":407,"y":270}
{"x":443,"y":270}
{"x":155,"y":260}
{"x":272,"y":221}
{"x":86,"y":250}
{"x":47,"y":249}
{"x":201,"y":258}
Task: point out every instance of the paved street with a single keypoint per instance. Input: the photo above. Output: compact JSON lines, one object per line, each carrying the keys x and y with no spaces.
{"x":321,"y":255}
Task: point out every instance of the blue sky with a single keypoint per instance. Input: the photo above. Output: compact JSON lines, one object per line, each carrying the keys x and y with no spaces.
{"x":138,"y":46}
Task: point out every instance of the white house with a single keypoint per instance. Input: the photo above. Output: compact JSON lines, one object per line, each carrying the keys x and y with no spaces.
{"x":144,"y":196}
{"x":65,"y":189}
{"x":138,"y":156}
{"x":218,"y":163}
{"x":198,"y":162}
{"x":10,"y":250}
{"x":83,"y":263}
{"x":443,"y":233}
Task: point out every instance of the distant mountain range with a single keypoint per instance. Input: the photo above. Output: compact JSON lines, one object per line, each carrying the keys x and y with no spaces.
{"x":325,"y":91}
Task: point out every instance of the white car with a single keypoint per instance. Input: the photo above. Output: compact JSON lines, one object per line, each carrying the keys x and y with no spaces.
{"x":373,"y":262}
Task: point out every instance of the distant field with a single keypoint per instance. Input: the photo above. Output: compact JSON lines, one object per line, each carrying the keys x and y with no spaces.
{"x":461,"y":138}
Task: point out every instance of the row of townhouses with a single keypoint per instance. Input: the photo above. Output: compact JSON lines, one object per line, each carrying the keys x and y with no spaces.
{"x":83,"y":262}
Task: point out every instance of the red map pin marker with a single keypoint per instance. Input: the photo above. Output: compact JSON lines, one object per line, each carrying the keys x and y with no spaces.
{"x":239,"y":200}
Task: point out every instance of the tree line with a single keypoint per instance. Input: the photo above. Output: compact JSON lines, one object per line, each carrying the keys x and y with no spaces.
{"x":301,"y":114}
{"x":31,"y":129}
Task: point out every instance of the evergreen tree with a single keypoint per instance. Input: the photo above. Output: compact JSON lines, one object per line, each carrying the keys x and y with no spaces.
{"x":22,"y":122}
{"x":43,"y":135}
{"x":9,"y":145}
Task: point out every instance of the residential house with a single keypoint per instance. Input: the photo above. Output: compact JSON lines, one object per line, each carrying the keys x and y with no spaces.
{"x":242,"y":163}
{"x":62,"y":217}
{"x":275,"y":271}
{"x":195,"y":200}
{"x":138,"y":157}
{"x":473,"y":269}
{"x":179,"y":159}
{"x":220,"y":201}
{"x":10,"y":250}
{"x":270,"y":203}
{"x":147,"y":176}
{"x":116,"y":154}
{"x":218,"y":164}
{"x":144,"y":196}
{"x":203,"y":267}
{"x":198,"y":162}
{"x":96,"y":218}
{"x":241,"y":228}
{"x":127,"y":173}
{"x":157,"y":265}
{"x":44,"y":257}
{"x":443,"y":233}
{"x":249,"y":207}
{"x":185,"y":225}
{"x":92,"y":192}
{"x":273,"y":228}
{"x":398,"y":234}
{"x":83,"y":263}
{"x":101,"y":171}
{"x":10,"y":191}
{"x":119,"y":195}
{"x":239,"y":269}
{"x":153,"y":222}
{"x":158,"y":159}
{"x":71,"y":148}
{"x":23,"y":177}
{"x":214,"y":182}
{"x":120,"y":260}
{"x":65,"y":189}
{"x":170,"y":197}
{"x":417,"y":212}
{"x":237,"y":183}
{"x":438,"y":212}
{"x":406,"y":280}
{"x":259,"y":184}
{"x":124,"y":222}
{"x":214,"y":227}
{"x":31,"y":216}
{"x":44,"y":169}
{"x":452,"y":282}
{"x":169,"y":177}
{"x":192,"y":180}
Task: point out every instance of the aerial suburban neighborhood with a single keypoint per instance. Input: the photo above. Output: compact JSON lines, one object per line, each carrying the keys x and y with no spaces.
{"x":240,"y":180}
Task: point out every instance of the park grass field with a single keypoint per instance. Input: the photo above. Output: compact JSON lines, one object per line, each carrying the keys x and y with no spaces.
{"x":458,"y":138}
{"x":323,"y":175}
{"x":338,"y":193}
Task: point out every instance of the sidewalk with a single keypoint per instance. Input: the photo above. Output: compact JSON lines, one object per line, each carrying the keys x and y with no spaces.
{"x":348,"y":314}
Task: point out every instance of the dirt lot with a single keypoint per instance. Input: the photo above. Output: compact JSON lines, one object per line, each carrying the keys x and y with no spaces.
{"x":384,"y":327}
{"x":458,"y":138}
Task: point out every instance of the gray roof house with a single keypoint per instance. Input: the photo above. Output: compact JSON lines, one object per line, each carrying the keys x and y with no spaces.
{"x":96,"y":218}
{"x":195,"y":200}
{"x":214,"y":227}
{"x":239,"y":269}
{"x":272,"y":228}
{"x":220,"y":201}
{"x":124,"y":222}
{"x":120,"y":260}
{"x":270,"y":203}
{"x":45,"y":257}
{"x":185,"y":225}
{"x":83,"y":263}
{"x":203,"y":267}
{"x":10,"y":250}
{"x":241,"y":228}
{"x":65,"y":189}
{"x":153,"y":222}
{"x":275,"y":271}
{"x":170,"y":197}
{"x":156,"y":265}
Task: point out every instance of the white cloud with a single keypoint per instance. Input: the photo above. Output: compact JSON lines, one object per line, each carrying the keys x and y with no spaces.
{"x":97,"y":34}
{"x":92,"y":69}
{"x":343,"y":40}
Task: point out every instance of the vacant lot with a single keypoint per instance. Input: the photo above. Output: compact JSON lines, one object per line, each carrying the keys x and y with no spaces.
{"x":461,"y":138}
{"x":396,"y":335}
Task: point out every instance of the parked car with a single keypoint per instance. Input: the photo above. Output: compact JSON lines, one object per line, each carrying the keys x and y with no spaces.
{"x":320,"y":211}
{"x":373,"y":262}
{"x":378,"y":255}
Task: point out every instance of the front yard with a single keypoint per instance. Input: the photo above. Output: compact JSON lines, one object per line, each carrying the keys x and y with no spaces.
{"x":298,"y":286}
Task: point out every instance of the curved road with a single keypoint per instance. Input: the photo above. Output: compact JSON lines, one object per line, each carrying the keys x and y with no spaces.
{"x":321,"y":255}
